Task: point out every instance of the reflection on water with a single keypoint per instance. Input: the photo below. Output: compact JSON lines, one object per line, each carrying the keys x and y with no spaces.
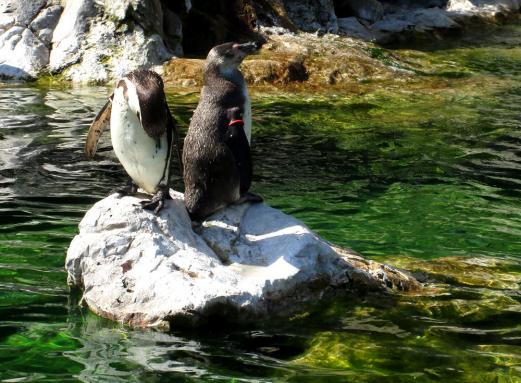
{"x":424,"y":175}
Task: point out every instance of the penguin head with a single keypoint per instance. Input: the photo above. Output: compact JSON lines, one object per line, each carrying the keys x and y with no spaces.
{"x":229,"y":56}
{"x":144,"y":93}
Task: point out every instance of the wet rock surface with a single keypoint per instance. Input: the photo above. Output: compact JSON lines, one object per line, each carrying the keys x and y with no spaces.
{"x":249,"y":262}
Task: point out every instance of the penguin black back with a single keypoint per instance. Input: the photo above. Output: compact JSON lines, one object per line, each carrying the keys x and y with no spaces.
{"x":211,"y":173}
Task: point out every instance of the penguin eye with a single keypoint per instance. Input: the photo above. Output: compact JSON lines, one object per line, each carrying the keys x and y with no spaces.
{"x":229,"y":53}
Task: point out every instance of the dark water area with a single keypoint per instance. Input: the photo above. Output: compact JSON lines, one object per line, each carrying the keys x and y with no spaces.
{"x":424,"y":174}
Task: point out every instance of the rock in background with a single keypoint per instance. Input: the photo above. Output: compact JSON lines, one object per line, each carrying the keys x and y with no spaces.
{"x":26,"y":29}
{"x":86,"y":40}
{"x":97,"y":41}
{"x":250,"y":262}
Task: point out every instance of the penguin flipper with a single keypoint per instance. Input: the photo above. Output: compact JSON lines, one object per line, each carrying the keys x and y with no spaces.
{"x":235,"y":139}
{"x":100,"y":122}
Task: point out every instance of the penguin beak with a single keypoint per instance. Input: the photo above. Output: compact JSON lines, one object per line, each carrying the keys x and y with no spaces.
{"x":248,"y":48}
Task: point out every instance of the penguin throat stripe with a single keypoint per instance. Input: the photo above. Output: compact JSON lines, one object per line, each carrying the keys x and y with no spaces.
{"x":235,"y":122}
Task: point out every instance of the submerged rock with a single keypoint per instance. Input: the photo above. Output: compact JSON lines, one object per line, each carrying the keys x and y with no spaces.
{"x":249,"y":262}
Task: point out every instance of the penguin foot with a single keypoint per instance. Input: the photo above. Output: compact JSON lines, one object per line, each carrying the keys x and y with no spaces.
{"x":157,"y":202}
{"x":128,"y":189}
{"x":249,"y":197}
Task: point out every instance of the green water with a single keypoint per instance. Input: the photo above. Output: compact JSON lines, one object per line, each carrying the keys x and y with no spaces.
{"x":423,"y":173}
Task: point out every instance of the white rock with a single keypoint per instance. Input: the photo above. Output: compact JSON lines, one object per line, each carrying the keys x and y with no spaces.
{"x":400,"y":17}
{"x":350,"y":26}
{"x":90,"y":70}
{"x":69,"y":33}
{"x":419,"y":20}
{"x":103,"y":41}
{"x":116,"y":9}
{"x":22,"y":55}
{"x":249,"y":262}
{"x":25,"y":29}
{"x":23,"y":10}
{"x":465,"y":8}
{"x":6,"y":20}
{"x":43,"y":25}
{"x":138,"y":51}
{"x":462,"y":6}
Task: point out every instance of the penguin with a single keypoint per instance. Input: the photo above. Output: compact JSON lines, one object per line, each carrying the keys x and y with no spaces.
{"x":211,"y":172}
{"x":142,"y":130}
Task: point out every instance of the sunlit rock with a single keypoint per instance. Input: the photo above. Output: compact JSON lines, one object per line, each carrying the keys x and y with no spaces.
{"x":250,"y":262}
{"x":418,"y":20}
{"x":45,"y":22}
{"x":25,"y":30}
{"x":486,"y":8}
{"x":22,"y":55}
{"x":69,"y":32}
{"x":96,"y":42}
{"x":22,"y":11}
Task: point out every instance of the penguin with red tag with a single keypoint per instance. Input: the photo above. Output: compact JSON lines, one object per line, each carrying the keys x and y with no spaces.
{"x":216,"y":155}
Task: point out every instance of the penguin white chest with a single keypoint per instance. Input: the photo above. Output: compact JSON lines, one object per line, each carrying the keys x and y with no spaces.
{"x":143,"y":157}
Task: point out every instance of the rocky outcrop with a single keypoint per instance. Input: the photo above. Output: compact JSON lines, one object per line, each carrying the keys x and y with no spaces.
{"x":97,"y":41}
{"x":25,"y":32}
{"x":301,"y":60}
{"x":419,"y":20}
{"x":249,"y":262}
{"x":400,"y":19}
{"x":312,"y":15}
{"x":86,"y":40}
{"x":465,"y":8}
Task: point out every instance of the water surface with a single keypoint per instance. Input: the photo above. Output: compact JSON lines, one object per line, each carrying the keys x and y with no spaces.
{"x":424,"y":174}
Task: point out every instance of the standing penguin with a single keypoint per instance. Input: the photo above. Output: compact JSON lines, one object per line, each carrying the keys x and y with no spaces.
{"x":142,"y":129}
{"x":211,"y":173}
